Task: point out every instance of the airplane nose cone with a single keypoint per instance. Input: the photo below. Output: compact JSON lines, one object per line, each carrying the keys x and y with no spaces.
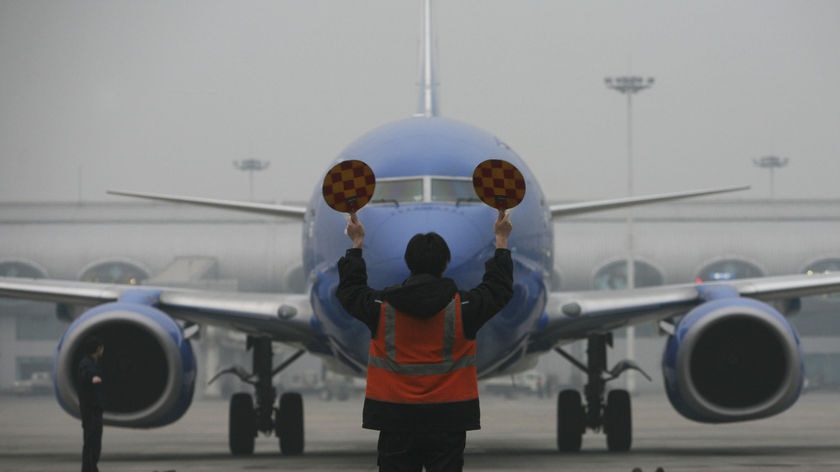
{"x":468,"y":231}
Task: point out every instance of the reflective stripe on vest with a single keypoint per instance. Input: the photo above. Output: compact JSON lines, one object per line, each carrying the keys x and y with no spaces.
{"x":435,"y":363}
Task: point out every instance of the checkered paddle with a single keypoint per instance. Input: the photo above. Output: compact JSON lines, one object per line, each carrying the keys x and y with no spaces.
{"x":499,"y":184}
{"x":348,"y":186}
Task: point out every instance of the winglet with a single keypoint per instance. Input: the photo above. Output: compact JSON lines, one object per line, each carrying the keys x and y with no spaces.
{"x":427,"y":103}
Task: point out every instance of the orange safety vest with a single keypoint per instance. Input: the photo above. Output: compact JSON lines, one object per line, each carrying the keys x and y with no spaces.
{"x":421,"y":360}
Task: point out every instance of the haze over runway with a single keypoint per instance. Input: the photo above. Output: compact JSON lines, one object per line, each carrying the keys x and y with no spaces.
{"x":35,"y":435}
{"x":164,"y":96}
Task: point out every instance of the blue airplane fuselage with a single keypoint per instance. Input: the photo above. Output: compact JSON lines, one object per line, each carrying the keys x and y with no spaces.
{"x":423,"y":168}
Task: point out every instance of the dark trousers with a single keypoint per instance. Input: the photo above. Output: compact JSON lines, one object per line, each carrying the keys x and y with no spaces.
{"x":92,"y":426}
{"x":410,"y":452}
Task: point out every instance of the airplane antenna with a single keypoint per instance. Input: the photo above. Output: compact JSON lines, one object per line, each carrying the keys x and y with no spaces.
{"x":427,"y":105}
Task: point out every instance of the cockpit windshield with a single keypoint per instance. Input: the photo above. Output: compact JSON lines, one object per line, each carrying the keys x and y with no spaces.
{"x":397,"y":191}
{"x":452,"y":190}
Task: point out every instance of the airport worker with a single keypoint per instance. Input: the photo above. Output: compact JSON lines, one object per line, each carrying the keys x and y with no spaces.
{"x":91,"y":402}
{"x":422,"y":389}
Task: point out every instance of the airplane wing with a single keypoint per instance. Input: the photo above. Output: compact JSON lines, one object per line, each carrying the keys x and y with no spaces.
{"x":577,"y":315}
{"x":569,"y":209}
{"x":282,"y":317}
{"x":248,"y":207}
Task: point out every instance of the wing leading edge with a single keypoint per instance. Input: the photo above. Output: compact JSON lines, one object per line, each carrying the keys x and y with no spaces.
{"x":247,"y":207}
{"x":570,"y":209}
{"x":282,"y":317}
{"x":577,"y":315}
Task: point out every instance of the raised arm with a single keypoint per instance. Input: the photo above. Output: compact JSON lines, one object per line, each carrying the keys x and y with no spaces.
{"x":501,"y":229}
{"x":355,"y":231}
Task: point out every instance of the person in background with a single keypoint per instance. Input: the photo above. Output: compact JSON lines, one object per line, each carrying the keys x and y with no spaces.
{"x":91,"y":402}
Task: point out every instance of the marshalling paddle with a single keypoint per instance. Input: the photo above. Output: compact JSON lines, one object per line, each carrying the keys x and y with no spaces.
{"x":499,"y":184}
{"x":349,"y":185}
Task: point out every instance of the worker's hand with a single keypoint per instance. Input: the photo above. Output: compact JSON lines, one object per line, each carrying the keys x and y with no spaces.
{"x":96,"y":379}
{"x":355,"y":231}
{"x":502,"y":229}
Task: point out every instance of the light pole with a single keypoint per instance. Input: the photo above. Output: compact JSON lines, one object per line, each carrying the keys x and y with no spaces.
{"x":771,"y":163}
{"x":629,"y":86}
{"x":251,"y":165}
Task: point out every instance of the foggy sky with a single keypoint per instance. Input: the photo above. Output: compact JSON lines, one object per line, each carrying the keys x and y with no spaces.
{"x":163,"y":96}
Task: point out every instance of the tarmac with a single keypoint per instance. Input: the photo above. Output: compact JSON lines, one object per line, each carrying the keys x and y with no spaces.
{"x":517,"y":435}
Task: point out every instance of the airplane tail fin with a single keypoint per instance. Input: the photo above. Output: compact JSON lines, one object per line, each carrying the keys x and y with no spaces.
{"x":427,"y":103}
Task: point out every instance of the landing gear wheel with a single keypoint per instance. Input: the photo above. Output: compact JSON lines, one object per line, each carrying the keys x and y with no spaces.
{"x":570,"y":421}
{"x":618,"y":422}
{"x":242,"y":424}
{"x":289,"y":426}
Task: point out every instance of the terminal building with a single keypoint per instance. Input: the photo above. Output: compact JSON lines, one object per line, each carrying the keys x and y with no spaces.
{"x":163,"y":244}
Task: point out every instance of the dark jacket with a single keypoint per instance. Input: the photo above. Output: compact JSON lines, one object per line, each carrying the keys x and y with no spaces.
{"x":424,"y":295}
{"x":90,"y":394}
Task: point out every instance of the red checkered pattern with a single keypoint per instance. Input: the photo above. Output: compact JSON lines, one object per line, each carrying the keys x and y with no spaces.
{"x":499,"y":184}
{"x":348,"y":186}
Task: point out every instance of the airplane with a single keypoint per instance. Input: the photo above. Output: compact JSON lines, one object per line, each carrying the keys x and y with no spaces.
{"x":730,"y":354}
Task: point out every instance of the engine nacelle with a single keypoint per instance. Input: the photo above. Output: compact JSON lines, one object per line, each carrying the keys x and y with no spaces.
{"x":732,"y":359}
{"x":149,"y":368}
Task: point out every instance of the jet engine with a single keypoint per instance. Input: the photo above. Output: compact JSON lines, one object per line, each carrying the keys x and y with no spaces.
{"x":732,"y":359}
{"x":148,"y":366}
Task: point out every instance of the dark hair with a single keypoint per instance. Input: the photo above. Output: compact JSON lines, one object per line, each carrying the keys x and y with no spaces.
{"x":427,"y":254}
{"x":92,"y":343}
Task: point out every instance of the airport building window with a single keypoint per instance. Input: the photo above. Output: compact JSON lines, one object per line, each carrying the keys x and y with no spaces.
{"x":728,"y":269}
{"x":17,"y":269}
{"x":26,"y":366}
{"x":823,"y":370}
{"x":613,"y":276}
{"x":825,"y":266}
{"x":36,"y":321}
{"x":115,"y":272}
